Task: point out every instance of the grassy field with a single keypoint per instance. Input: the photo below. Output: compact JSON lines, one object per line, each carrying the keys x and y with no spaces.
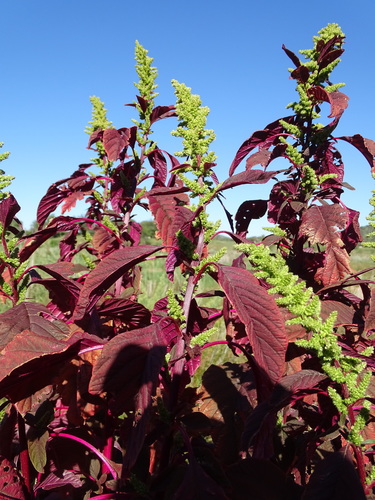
{"x":155,"y":284}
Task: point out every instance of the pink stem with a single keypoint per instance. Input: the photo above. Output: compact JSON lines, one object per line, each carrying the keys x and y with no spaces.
{"x":90,"y":447}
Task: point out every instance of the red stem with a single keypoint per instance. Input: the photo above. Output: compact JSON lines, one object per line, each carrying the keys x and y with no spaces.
{"x":24,"y":457}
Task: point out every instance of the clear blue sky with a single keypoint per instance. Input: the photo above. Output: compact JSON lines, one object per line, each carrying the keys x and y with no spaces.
{"x":54,"y":55}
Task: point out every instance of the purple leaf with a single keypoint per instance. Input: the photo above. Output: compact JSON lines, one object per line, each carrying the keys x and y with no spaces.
{"x":109,"y":270}
{"x":262,"y":319}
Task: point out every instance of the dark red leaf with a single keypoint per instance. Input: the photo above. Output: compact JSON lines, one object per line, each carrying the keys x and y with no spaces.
{"x":345,"y":313}
{"x":58,"y":224}
{"x":113,"y":143}
{"x":247,"y":177}
{"x":337,"y":100}
{"x":160,"y":112}
{"x":262,"y":319}
{"x":128,"y":367}
{"x":295,"y":384}
{"x":248,"y":210}
{"x":328,"y":160}
{"x":351,"y":235}
{"x":336,"y":266}
{"x":292,"y":56}
{"x":322,"y":224}
{"x":326,"y":47}
{"x":28,"y":342}
{"x":335,"y":478}
{"x":8,"y":209}
{"x":48,"y":204}
{"x":261,"y":157}
{"x":365,"y":146}
{"x":199,"y":485}
{"x":259,"y":426}
{"x":96,"y":136}
{"x":159,"y":163}
{"x":163,"y":203}
{"x":143,"y":103}
{"x":110,"y":269}
{"x":71,"y":201}
{"x":132,"y":313}
{"x":329,"y":57}
{"x":10,"y":481}
{"x":301,"y":74}
{"x":259,"y":138}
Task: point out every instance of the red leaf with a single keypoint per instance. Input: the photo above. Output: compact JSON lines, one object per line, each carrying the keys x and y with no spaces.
{"x":259,"y":138}
{"x":292,"y":56}
{"x":328,"y":58}
{"x":160,"y":112}
{"x":163,"y":203}
{"x":109,"y":270}
{"x":10,"y":481}
{"x":248,"y":210}
{"x":29,"y":342}
{"x":337,"y":100}
{"x":71,"y":201}
{"x":290,"y":385}
{"x":247,"y":177}
{"x":128,"y":367}
{"x":132,"y":313}
{"x":336,"y":266}
{"x":365,"y":146}
{"x":322,"y":224}
{"x":262,"y":319}
{"x":8,"y":209}
{"x":113,"y":143}
{"x":159,"y":163}
{"x":261,"y":157}
{"x":301,"y":74}
{"x":49,"y":202}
